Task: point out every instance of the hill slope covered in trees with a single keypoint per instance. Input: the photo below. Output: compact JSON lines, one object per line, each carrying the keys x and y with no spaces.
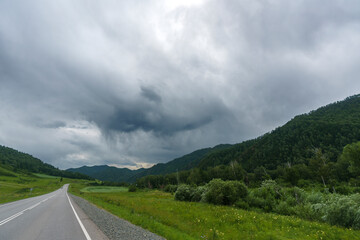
{"x":16,"y":161}
{"x":329,"y":128}
{"x":186,"y":162}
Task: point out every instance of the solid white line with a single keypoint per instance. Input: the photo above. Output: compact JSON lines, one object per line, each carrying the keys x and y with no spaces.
{"x":77,"y":217}
{"x":21,"y":212}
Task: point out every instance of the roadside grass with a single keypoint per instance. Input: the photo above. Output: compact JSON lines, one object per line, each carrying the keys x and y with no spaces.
{"x":103,"y":189}
{"x":159,"y":213}
{"x":16,"y":186}
{"x":40,"y":175}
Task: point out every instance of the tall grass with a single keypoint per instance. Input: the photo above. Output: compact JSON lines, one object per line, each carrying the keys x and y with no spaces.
{"x":158,"y":212}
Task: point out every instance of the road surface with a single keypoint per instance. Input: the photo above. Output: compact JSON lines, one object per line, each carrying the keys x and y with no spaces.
{"x":52,"y":216}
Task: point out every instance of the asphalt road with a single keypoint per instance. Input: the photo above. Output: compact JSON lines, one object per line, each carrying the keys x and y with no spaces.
{"x":52,"y":216}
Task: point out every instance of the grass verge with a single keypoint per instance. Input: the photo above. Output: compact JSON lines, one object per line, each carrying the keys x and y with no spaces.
{"x":159,"y":213}
{"x":16,"y":186}
{"x":103,"y":189}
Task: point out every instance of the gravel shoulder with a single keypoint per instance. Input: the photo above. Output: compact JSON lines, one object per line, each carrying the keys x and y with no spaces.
{"x":113,"y":227}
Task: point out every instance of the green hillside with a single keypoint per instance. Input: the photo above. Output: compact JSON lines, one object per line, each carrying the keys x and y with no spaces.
{"x":16,"y":161}
{"x":329,"y":128}
{"x":107,"y":173}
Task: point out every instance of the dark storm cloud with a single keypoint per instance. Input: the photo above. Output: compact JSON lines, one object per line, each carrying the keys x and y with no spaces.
{"x":94,"y":83}
{"x":150,"y":94}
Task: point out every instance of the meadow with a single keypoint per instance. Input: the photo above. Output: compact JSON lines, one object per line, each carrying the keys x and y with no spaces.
{"x":103,"y":189}
{"x":158,"y":212}
{"x":16,"y":186}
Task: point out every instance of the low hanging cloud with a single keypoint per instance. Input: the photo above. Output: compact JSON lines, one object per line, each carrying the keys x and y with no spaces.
{"x":132,"y":84}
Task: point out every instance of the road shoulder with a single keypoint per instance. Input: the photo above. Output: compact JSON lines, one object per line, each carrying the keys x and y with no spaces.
{"x":112,"y":226}
{"x":93,"y":230}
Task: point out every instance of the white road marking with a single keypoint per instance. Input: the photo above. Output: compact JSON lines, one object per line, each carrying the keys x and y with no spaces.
{"x":21,"y":212}
{"x":77,"y":217}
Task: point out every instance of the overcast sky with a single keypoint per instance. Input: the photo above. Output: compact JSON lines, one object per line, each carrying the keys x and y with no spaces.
{"x":133,"y":83}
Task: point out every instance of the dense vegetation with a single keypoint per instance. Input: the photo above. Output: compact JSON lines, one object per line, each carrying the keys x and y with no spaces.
{"x":309,"y":168}
{"x":329,"y":128}
{"x":16,"y":161}
{"x":324,"y":196}
{"x":107,"y":173}
{"x":305,"y":150}
{"x":161,"y":214}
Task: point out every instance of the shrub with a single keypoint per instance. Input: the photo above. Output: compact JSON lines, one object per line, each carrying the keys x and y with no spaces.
{"x":241,"y":203}
{"x":184,"y":193}
{"x":345,"y":190}
{"x":265,"y":197}
{"x":343,"y":211}
{"x":294,"y":196}
{"x":170,"y":188}
{"x":284,"y":208}
{"x":132,"y":188}
{"x":198,"y":194}
{"x":224,"y":192}
{"x":315,"y":197}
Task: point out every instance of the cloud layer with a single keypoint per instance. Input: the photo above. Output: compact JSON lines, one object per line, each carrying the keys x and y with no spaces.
{"x":130,"y":84}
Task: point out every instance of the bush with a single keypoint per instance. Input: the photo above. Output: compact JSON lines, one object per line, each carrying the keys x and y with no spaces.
{"x":267,"y":196}
{"x":198,"y":194}
{"x":345,"y":190}
{"x":284,"y":208}
{"x":343,"y":211}
{"x":170,"y":188}
{"x":224,"y":192}
{"x":184,"y":193}
{"x":315,"y":197}
{"x":242,"y":204}
{"x":132,"y":188}
{"x":294,"y":196}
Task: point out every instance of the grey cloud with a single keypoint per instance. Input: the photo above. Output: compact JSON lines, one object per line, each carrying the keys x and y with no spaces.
{"x":55,"y":124}
{"x":150,"y":94}
{"x":97,"y":84}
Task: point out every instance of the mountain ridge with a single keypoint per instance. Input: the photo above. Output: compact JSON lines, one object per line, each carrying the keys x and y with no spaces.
{"x":110,"y":173}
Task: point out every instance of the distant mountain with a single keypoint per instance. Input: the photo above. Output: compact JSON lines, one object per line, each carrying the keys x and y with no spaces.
{"x":14,"y":160}
{"x":107,"y":173}
{"x":329,"y":128}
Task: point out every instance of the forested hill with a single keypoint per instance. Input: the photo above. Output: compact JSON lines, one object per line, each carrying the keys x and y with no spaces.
{"x":107,"y":173}
{"x":17,"y":161}
{"x":328,"y":128}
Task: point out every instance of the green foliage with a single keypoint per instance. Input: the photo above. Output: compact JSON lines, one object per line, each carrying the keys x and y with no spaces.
{"x":170,"y":188}
{"x":329,"y":128}
{"x":132,"y":188}
{"x":188,"y":220}
{"x":265,"y":197}
{"x":224,"y":192}
{"x":351,"y":155}
{"x":343,"y":211}
{"x":198,"y":193}
{"x":184,"y":193}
